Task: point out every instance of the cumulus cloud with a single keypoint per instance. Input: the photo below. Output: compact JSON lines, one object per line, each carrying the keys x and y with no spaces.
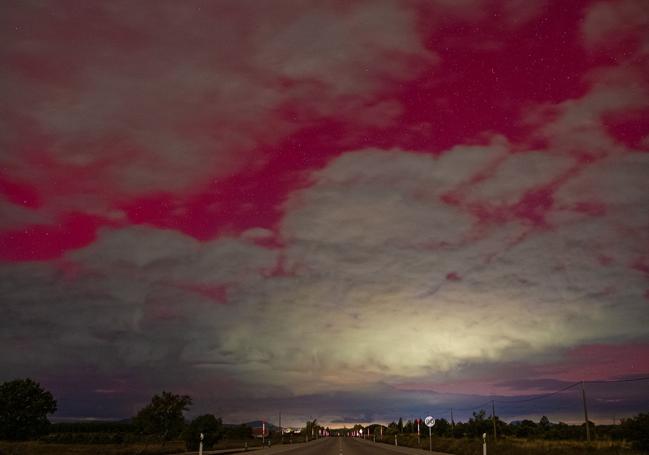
{"x":113,"y":117}
{"x":507,"y":301}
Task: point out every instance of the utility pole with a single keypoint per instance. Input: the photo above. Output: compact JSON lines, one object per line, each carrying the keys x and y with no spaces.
{"x":583,"y":396}
{"x":493,"y":417}
{"x":281,"y":433}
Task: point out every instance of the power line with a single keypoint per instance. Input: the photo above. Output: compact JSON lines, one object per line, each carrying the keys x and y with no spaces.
{"x":442,"y":411}
{"x":539,"y":397}
{"x":605,"y":381}
{"x":475,"y":407}
{"x":547,"y":395}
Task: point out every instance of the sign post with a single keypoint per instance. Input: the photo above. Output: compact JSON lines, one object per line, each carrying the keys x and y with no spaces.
{"x":430,"y":422}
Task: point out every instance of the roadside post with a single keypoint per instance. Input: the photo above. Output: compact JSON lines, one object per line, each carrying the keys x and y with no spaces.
{"x":395,"y":440}
{"x":484,"y":443}
{"x":200,"y":445}
{"x":430,"y":422}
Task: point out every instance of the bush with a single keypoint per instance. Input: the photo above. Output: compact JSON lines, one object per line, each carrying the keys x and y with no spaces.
{"x":210,"y":426}
{"x":636,"y":429}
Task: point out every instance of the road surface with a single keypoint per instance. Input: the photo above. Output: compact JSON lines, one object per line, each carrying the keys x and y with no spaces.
{"x":342,"y":446}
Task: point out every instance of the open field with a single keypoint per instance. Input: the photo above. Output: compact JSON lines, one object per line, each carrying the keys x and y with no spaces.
{"x":42,"y":448}
{"x":45,"y":448}
{"x":518,"y":446}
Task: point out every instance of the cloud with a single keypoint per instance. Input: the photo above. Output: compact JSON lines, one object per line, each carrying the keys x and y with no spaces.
{"x":359,"y":267}
{"x":133,"y":297}
{"x":541,"y":384}
{"x":369,"y":248}
{"x":391,"y":272}
{"x":116,"y":108}
{"x":609,"y":23}
{"x":13,"y":216}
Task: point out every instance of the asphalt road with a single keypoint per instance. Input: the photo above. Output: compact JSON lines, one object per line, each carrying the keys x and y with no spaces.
{"x":343,"y":446}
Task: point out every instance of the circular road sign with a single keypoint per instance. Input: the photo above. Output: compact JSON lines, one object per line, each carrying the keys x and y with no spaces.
{"x":429,"y":421}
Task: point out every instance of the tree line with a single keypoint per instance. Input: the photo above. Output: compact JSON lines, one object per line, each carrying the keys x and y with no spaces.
{"x":25,"y":405}
{"x":635,"y":429}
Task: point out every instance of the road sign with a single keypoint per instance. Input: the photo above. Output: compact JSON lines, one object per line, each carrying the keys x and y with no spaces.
{"x":429,"y":421}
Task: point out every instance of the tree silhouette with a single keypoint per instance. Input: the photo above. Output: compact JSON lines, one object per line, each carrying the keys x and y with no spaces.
{"x":24,"y":406}
{"x":163,"y":416}
{"x":209,"y":426}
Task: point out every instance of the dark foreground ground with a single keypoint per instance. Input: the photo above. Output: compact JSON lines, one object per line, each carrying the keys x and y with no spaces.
{"x":335,"y":446}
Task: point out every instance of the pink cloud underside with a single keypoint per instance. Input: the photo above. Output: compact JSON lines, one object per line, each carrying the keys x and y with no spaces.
{"x":44,"y":242}
{"x":485,"y":78}
{"x":630,"y":128}
{"x":19,"y":194}
{"x":583,"y":363}
{"x":601,"y":361}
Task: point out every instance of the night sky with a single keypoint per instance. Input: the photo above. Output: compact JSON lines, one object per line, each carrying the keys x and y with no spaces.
{"x":353,"y":211}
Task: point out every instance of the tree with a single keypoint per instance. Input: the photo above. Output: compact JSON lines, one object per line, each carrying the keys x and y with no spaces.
{"x":400,"y":425}
{"x":311,"y":426}
{"x":210,"y":426}
{"x":525,"y":429}
{"x":163,"y":416}
{"x":24,"y":407}
{"x":441,"y":427}
{"x":478,"y":424}
{"x":636,"y":429}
